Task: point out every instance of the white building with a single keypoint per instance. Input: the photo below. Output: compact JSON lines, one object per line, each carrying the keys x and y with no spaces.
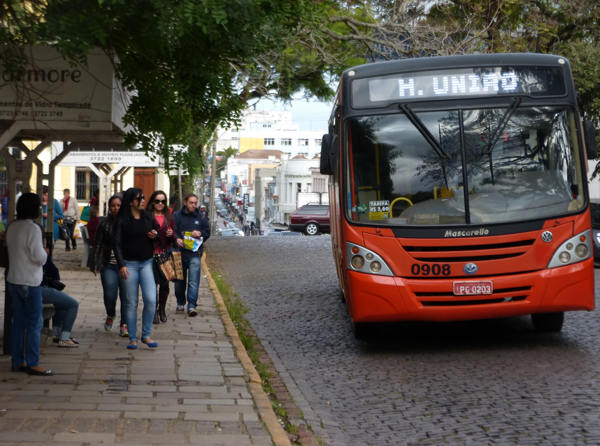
{"x":292,"y":177}
{"x":271,"y":130}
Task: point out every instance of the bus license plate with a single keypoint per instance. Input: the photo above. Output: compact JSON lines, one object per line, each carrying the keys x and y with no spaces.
{"x":473,"y":288}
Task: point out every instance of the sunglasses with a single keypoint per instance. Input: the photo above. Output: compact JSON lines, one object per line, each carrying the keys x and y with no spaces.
{"x":160,"y":201}
{"x":140,"y":198}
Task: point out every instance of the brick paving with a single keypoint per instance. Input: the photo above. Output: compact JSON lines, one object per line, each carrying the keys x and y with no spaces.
{"x":494,"y":382}
{"x":190,"y":390}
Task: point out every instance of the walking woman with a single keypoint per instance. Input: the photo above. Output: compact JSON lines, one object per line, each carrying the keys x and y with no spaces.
{"x":134,"y":233}
{"x":26,"y":256}
{"x":105,"y":262}
{"x":166,"y":237}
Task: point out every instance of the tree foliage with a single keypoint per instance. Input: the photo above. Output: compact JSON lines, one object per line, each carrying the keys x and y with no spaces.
{"x":191,"y":64}
{"x":393,"y":29}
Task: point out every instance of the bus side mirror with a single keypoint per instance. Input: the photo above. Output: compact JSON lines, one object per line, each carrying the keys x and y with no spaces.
{"x":590,"y":139}
{"x":329,"y":150}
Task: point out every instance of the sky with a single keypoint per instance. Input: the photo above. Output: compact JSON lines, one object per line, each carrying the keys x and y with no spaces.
{"x":310,"y":115}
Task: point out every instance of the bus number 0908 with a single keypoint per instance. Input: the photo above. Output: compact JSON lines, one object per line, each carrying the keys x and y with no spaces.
{"x":425,"y":270}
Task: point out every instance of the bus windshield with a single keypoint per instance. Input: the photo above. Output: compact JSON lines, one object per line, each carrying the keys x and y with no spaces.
{"x":517,"y":163}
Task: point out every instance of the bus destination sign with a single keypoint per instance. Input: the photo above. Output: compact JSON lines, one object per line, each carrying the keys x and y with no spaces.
{"x":456,"y":83}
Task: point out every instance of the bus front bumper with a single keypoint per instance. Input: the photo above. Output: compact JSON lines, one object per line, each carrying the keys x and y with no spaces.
{"x":373,"y":298}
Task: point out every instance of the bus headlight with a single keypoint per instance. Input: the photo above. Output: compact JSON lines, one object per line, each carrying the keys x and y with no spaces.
{"x":564,"y":257}
{"x":573,"y":250}
{"x":366,"y":261}
{"x":375,"y":267}
{"x":581,"y":251}
{"x":358,"y":262}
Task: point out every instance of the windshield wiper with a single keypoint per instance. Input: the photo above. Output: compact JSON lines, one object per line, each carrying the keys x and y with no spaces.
{"x":424,"y":131}
{"x":503,"y":123}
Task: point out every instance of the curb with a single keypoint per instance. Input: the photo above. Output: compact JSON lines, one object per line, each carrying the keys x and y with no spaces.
{"x":259,"y":396}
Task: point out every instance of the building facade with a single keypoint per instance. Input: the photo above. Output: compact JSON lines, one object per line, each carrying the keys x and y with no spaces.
{"x":271,"y":130}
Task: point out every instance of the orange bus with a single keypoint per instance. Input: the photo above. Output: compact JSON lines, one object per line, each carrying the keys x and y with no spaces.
{"x":458,"y":190}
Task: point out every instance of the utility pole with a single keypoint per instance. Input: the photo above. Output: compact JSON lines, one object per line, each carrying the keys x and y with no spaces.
{"x":213,"y":181}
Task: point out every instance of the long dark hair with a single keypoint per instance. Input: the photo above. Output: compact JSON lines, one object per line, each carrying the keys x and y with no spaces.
{"x":125,"y":210}
{"x":150,"y":205}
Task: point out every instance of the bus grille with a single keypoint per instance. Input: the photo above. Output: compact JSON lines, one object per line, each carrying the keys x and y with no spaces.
{"x":468,"y":253}
{"x":448,"y":299}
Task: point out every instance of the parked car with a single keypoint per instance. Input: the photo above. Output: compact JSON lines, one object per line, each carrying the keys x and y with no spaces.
{"x":311,"y":219}
{"x":595,"y":211}
{"x":229,"y":232}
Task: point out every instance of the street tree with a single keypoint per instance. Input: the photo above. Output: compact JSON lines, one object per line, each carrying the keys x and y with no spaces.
{"x":190,"y":65}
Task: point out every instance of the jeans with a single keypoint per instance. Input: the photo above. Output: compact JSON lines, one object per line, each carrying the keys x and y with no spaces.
{"x":112,"y":287}
{"x":191,"y":273}
{"x":140,"y":274}
{"x":65,"y":311}
{"x":27,"y":322}
{"x":73,"y":240}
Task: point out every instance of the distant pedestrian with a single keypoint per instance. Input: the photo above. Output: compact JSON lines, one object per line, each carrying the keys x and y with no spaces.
{"x":166,"y":237}
{"x":26,"y":255}
{"x":105,"y":262}
{"x":92,"y":224}
{"x":203,"y":210}
{"x":58,"y":214}
{"x":95,"y":198}
{"x":134,"y":233}
{"x":70,"y":208}
{"x":189,"y":221}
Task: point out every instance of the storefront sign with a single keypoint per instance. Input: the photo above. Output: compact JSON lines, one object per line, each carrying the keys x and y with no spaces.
{"x":49,"y":89}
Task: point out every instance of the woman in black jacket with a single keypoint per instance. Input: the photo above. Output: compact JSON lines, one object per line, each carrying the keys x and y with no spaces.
{"x":134,"y":232}
{"x":105,"y":262}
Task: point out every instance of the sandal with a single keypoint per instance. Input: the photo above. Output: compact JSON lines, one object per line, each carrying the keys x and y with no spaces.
{"x":56,"y":340}
{"x":68,"y":344}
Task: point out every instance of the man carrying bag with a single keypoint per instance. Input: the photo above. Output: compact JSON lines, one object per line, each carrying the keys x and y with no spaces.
{"x":192,"y":231}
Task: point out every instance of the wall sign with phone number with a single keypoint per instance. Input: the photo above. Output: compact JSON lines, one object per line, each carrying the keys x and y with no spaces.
{"x":425,"y":270}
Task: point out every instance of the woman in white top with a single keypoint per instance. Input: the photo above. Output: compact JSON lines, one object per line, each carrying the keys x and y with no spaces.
{"x":70,"y":208}
{"x":26,"y":257}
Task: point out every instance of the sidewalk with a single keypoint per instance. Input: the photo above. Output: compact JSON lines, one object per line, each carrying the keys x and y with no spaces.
{"x":192,"y":389}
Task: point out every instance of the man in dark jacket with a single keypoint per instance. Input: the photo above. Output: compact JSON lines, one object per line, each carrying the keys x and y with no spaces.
{"x":192,"y":223}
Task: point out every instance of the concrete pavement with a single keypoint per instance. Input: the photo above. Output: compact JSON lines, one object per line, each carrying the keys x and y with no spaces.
{"x":192,"y":389}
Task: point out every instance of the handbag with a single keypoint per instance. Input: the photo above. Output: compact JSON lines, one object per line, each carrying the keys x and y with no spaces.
{"x":68,"y":220}
{"x":63,"y":231}
{"x":163,"y":268}
{"x":178,"y":265}
{"x":85,"y":214}
{"x":56,"y":284}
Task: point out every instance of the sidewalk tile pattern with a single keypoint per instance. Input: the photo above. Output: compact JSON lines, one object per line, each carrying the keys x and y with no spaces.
{"x":190,"y":390}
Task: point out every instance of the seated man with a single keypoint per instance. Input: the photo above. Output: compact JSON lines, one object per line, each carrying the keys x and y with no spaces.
{"x":65,"y":306}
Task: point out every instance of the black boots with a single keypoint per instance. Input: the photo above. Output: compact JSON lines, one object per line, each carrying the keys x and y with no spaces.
{"x":163,"y":295}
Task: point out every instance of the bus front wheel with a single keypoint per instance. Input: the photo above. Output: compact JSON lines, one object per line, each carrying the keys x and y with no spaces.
{"x":363,"y":330}
{"x":550,"y":322}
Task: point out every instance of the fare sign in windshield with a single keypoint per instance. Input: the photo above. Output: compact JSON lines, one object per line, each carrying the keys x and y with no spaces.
{"x":455,"y":83}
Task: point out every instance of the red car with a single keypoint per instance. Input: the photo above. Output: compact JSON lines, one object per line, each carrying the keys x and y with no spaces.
{"x":311,"y":219}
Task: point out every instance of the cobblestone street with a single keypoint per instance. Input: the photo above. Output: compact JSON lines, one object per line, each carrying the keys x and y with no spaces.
{"x":483,"y":382}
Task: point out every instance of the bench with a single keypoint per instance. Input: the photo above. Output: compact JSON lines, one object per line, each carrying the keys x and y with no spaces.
{"x":48,"y":311}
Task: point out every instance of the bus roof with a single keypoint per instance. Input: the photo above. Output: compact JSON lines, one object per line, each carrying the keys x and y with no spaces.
{"x":458,"y":61}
